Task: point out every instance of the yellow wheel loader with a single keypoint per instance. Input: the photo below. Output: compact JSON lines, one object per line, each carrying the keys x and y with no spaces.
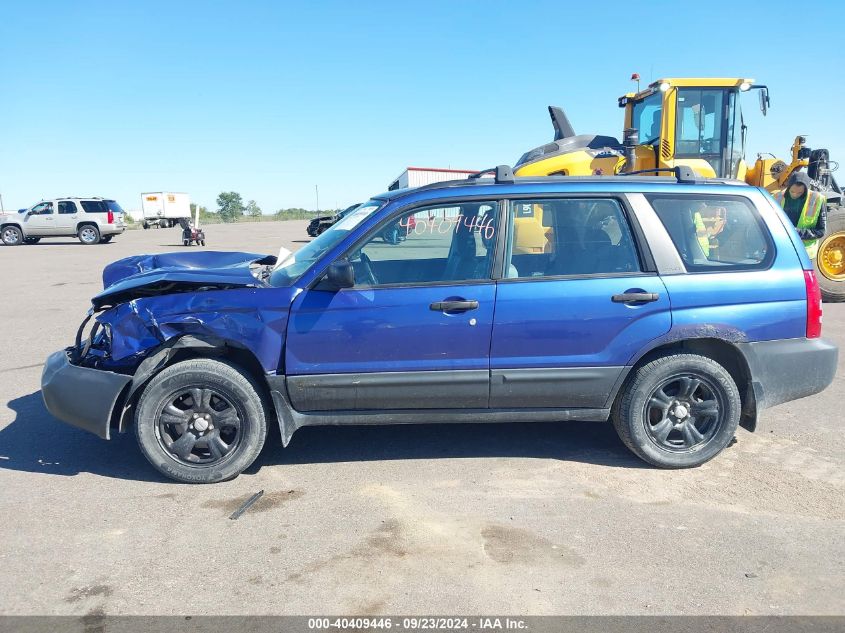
{"x":698,"y":123}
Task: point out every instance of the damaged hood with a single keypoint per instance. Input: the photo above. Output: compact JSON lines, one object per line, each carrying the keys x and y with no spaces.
{"x":147,"y":275}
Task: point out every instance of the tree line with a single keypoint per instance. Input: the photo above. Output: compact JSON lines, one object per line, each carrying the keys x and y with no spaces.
{"x":231,"y":207}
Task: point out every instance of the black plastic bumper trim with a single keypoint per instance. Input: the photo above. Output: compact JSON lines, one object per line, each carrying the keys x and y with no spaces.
{"x":80,"y":396}
{"x":789,"y":369}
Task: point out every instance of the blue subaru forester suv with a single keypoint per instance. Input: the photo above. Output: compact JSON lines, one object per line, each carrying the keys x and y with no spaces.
{"x":674,"y":307}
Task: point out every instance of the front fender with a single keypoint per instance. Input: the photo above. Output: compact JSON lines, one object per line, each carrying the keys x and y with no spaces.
{"x":254,"y":319}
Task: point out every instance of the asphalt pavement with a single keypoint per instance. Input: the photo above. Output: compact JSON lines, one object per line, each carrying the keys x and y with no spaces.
{"x":554,"y":518}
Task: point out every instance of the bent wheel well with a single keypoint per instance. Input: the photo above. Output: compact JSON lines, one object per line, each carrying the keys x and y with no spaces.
{"x":238,"y":356}
{"x":727,"y":355}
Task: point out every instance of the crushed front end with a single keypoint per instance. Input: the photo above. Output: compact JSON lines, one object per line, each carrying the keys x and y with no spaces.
{"x":150,"y":306}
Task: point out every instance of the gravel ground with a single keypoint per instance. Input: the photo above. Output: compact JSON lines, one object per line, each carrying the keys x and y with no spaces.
{"x":525,"y":519}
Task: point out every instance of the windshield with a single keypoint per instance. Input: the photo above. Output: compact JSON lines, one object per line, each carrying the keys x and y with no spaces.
{"x":646,"y":118}
{"x":292,"y":268}
{"x":348,"y":210}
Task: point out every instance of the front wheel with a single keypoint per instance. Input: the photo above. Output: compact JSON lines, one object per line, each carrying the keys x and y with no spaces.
{"x":201,"y":421}
{"x":11,"y":236}
{"x":88,"y":234}
{"x":678,"y":411}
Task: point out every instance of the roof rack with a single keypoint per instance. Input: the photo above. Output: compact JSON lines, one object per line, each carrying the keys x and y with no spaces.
{"x":682,"y":173}
{"x":504,"y":174}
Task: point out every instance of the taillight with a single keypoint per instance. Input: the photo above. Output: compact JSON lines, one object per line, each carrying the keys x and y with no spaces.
{"x":814,"y":304}
{"x":111,"y":217}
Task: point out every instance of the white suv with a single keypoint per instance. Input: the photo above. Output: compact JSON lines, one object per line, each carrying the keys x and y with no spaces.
{"x":92,"y":220}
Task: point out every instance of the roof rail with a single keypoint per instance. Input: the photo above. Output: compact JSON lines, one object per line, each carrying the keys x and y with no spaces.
{"x":504,"y":174}
{"x":683,"y":173}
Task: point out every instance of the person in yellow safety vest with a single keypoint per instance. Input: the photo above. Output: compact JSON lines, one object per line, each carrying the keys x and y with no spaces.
{"x":703,"y":233}
{"x":806,"y":209}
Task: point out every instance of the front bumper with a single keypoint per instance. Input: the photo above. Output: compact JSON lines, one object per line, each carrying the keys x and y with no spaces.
{"x":82,"y":397}
{"x":789,"y":369}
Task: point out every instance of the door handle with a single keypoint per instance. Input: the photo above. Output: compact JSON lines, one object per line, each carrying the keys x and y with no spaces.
{"x":453,"y":306}
{"x":635,"y":297}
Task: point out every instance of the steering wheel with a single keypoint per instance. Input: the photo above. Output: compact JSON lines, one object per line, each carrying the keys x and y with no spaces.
{"x":367,"y":269}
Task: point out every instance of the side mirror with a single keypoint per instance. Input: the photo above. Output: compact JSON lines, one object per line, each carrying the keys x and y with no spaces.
{"x":764,"y":100}
{"x":30,"y":212}
{"x":340,"y":274}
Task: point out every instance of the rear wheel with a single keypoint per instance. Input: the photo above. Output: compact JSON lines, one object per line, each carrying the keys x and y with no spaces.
{"x":678,"y":411}
{"x":106,"y":239}
{"x":830,"y":261}
{"x":201,"y":421}
{"x":11,"y":236}
{"x":88,"y":234}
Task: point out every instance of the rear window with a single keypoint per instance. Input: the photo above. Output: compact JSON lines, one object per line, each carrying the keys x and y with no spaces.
{"x":94,"y":206}
{"x":715,"y":233}
{"x":113,"y":206}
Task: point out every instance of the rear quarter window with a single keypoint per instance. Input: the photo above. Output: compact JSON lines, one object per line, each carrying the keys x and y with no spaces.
{"x":715,"y":233}
{"x":113,"y":206}
{"x":94,"y":206}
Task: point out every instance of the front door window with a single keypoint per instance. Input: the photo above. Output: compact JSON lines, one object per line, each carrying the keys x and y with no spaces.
{"x":430,"y":246}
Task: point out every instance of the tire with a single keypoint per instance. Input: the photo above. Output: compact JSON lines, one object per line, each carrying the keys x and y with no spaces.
{"x":232,"y":398}
{"x":31,"y":240}
{"x":146,"y":225}
{"x":833,"y":291}
{"x":641,"y":418}
{"x":11,"y":235}
{"x":88,"y":234}
{"x":106,"y":239}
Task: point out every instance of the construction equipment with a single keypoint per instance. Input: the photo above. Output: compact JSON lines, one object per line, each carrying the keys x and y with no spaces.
{"x":698,"y":123}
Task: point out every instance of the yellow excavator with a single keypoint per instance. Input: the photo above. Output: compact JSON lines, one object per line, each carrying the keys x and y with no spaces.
{"x":696,"y":122}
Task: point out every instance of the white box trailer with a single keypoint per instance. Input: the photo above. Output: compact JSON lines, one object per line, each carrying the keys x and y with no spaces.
{"x":419,"y":176}
{"x":164,"y":208}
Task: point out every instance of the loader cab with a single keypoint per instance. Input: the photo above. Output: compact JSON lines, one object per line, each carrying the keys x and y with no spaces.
{"x":692,"y":122}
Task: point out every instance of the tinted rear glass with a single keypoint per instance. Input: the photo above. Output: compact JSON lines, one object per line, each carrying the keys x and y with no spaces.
{"x":94,"y":206}
{"x":114,"y":206}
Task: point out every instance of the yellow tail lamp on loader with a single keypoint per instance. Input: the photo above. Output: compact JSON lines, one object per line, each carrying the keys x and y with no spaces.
{"x":698,"y":123}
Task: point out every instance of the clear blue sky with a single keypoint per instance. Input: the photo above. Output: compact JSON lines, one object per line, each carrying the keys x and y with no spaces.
{"x":271,"y":98}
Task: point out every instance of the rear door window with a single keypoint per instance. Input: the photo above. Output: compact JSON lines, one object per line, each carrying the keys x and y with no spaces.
{"x":67,"y":207}
{"x":569,"y":236}
{"x":715,"y":233}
